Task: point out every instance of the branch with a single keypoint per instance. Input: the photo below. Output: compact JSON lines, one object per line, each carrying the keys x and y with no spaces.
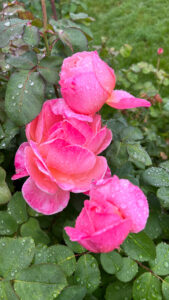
{"x":54,"y":9}
{"x":45,"y":26}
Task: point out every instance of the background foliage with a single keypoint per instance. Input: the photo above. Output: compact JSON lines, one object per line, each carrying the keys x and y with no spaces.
{"x":37,"y":259}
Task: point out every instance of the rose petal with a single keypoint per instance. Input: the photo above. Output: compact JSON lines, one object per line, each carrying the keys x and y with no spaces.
{"x":43,"y":179}
{"x":104,"y":74}
{"x":78,"y":184}
{"x":102,"y":241}
{"x":20,"y":167}
{"x":37,"y":130}
{"x":129,"y":198}
{"x":84,"y":94}
{"x":42,"y":202}
{"x":101,"y":141}
{"x":80,"y":62}
{"x":123,"y":100}
{"x":72,"y":134}
{"x":71,"y":159}
{"x":61,"y":108}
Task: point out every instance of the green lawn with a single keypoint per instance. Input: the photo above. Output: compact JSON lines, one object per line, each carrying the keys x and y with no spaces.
{"x":144,"y":24}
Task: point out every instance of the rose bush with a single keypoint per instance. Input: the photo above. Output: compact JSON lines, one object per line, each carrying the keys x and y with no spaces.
{"x":87,"y":83}
{"x":116,"y":207}
{"x":61,"y":155}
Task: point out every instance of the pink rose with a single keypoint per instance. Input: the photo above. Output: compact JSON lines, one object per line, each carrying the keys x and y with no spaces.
{"x":116,"y":208}
{"x":61,"y":155}
{"x":160,"y":51}
{"x":87,"y":82}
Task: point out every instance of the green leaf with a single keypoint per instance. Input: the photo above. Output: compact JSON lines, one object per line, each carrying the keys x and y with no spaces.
{"x":48,"y":69}
{"x":165,"y":165}
{"x":25,"y":61}
{"x":31,"y":36}
{"x":138,"y":154}
{"x":24,"y":97}
{"x":10,"y":29}
{"x":117,"y":154}
{"x":164,"y":223}
{"x":147,"y":287}
{"x":160,"y":265}
{"x":111,"y":262}
{"x":156,"y":177}
{"x":33,"y":213}
{"x":6,"y":291}
{"x":163,"y":195}
{"x":87,"y":273}
{"x":165,"y":288}
{"x":153,"y":228}
{"x":59,"y":254}
{"x":139,"y":246}
{"x":72,"y":293}
{"x":79,"y":16}
{"x":74,"y":39}
{"x":128,"y":270}
{"x":43,"y":282}
{"x":8,"y":225}
{"x":5,"y":194}
{"x":119,"y":291}
{"x":117,"y":126}
{"x":10,"y":130}
{"x":15,"y":255}
{"x":17,"y":208}
{"x":32,"y":228}
{"x":90,"y":297}
{"x":126,"y":50}
{"x":131,"y":134}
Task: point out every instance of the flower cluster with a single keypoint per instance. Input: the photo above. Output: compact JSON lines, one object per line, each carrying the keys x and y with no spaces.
{"x":61,"y":155}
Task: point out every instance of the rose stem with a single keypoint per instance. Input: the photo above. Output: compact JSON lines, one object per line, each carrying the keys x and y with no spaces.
{"x":45,"y":26}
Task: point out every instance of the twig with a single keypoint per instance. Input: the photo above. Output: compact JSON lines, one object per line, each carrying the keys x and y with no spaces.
{"x":56,"y":90}
{"x":45,"y":26}
{"x":53,"y":9}
{"x":149,"y":270}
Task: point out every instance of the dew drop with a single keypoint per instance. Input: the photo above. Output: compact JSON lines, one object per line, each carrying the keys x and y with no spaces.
{"x":7,"y":23}
{"x":166,"y":264}
{"x":7,"y":66}
{"x":20,"y":85}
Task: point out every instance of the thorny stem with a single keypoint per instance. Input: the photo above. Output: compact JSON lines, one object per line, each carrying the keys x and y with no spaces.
{"x":45,"y":26}
{"x":53,"y":9}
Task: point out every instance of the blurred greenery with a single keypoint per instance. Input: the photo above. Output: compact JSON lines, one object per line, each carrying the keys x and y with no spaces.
{"x":142,"y":24}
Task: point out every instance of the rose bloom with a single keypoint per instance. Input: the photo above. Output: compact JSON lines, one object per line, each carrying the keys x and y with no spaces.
{"x":116,"y":208}
{"x":87,"y":82}
{"x":61,"y":155}
{"x":160,"y":51}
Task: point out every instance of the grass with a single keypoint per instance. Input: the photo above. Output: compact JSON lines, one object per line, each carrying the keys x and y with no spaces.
{"x":144,"y":24}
